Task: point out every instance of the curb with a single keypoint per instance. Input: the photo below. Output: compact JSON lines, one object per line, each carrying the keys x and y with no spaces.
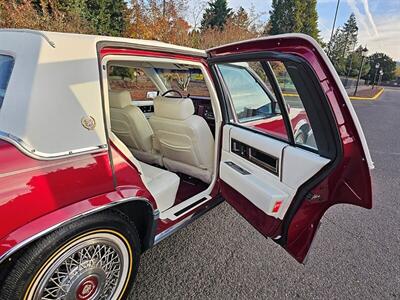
{"x":376,"y":96}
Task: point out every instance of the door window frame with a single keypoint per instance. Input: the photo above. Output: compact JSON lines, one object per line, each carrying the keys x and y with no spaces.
{"x":230,"y":111}
{"x":321,"y":117}
{"x":104,"y":60}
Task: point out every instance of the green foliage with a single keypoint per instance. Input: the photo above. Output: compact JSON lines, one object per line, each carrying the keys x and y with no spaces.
{"x":122,"y":72}
{"x":106,"y":16}
{"x":216,"y":14}
{"x":342,"y":44}
{"x":294,"y":16}
{"x":309,"y":17}
{"x":336,"y":51}
{"x":76,"y":6}
{"x":353,"y":64}
{"x":350,"y":32}
{"x":386,"y":64}
{"x":280,"y":17}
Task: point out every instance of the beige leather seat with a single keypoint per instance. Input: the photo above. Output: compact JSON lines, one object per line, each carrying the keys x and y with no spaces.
{"x":131,"y":126}
{"x":162,"y":184}
{"x":184,"y":140}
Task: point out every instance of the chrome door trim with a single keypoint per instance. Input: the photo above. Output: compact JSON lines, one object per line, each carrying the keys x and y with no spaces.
{"x":30,"y":151}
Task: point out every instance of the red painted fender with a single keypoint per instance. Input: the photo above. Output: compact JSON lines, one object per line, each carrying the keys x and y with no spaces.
{"x":45,"y":224}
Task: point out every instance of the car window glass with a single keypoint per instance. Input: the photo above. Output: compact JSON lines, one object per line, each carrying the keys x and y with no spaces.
{"x":6,"y":66}
{"x":186,"y":80}
{"x":134,"y":80}
{"x":302,"y":131}
{"x":253,"y":101}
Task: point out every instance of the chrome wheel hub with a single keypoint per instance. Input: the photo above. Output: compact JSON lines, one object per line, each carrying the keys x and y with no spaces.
{"x":94,"y":268}
{"x":87,"y":288}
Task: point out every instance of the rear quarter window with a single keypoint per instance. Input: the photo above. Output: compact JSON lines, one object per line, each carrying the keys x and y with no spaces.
{"x":6,"y":66}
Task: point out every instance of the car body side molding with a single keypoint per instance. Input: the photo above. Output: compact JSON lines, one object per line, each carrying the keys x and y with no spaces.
{"x":48,"y":223}
{"x":31,"y":152}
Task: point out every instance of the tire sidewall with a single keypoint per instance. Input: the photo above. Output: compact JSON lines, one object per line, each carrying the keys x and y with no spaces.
{"x":33,"y":261}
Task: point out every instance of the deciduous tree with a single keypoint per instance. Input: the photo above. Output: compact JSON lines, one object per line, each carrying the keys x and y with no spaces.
{"x":150,"y":20}
{"x":104,"y":17}
{"x":241,"y":18}
{"x":386,"y":64}
{"x":353,"y":64}
{"x":42,"y":15}
{"x":397,"y":72}
{"x":239,"y":26}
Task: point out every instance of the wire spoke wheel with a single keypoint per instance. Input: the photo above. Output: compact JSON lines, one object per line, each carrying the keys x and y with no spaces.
{"x":94,"y":266}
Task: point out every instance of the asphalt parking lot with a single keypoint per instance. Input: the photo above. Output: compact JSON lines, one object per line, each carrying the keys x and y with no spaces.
{"x":356,"y":253}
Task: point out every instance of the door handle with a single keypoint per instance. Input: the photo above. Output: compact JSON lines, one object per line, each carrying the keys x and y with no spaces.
{"x":237,"y":168}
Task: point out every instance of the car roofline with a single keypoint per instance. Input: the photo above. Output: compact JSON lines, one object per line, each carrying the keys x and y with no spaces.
{"x":132,"y":43}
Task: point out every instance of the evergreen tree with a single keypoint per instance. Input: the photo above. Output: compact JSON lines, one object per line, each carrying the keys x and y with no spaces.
{"x":70,"y":6}
{"x":336,"y":48}
{"x":350,"y":32}
{"x":310,"y":19}
{"x":106,"y":16}
{"x":294,"y":16}
{"x":216,"y":14}
{"x":341,"y":45}
{"x":281,"y":17}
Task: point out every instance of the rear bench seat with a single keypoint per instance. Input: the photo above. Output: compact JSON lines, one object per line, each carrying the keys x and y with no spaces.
{"x":162,"y":184}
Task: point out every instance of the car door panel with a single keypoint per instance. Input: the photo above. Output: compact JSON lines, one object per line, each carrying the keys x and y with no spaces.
{"x":258,"y":184}
{"x":300,"y":165}
{"x":269,"y":191}
{"x":307,"y":181}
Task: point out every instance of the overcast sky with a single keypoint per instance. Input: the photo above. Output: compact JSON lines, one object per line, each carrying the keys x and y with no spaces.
{"x":378,"y":20}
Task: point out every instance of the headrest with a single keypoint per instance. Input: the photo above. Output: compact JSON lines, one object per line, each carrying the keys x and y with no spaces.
{"x":173,"y":108}
{"x":119,"y":99}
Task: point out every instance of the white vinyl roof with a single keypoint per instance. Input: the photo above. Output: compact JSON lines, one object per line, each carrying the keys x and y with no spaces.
{"x":54,"y":84}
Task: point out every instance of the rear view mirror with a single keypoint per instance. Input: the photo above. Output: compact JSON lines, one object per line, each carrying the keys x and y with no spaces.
{"x":151,"y":94}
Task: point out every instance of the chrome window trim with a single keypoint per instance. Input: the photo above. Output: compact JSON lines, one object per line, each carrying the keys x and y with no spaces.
{"x":38,"y":235}
{"x":30,"y":151}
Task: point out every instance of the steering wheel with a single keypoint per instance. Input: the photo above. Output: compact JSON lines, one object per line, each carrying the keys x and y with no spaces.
{"x":170,"y":91}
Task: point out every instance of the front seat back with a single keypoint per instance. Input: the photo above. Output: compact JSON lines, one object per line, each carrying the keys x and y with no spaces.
{"x":183,"y":139}
{"x":131,"y":126}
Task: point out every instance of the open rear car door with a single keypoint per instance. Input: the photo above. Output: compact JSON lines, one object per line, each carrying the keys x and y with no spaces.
{"x":292,"y":145}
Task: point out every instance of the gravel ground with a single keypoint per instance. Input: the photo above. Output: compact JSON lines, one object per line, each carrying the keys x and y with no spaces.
{"x":355,"y":254}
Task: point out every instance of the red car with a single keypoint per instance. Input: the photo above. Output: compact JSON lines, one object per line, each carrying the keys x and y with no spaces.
{"x":109,"y":145}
